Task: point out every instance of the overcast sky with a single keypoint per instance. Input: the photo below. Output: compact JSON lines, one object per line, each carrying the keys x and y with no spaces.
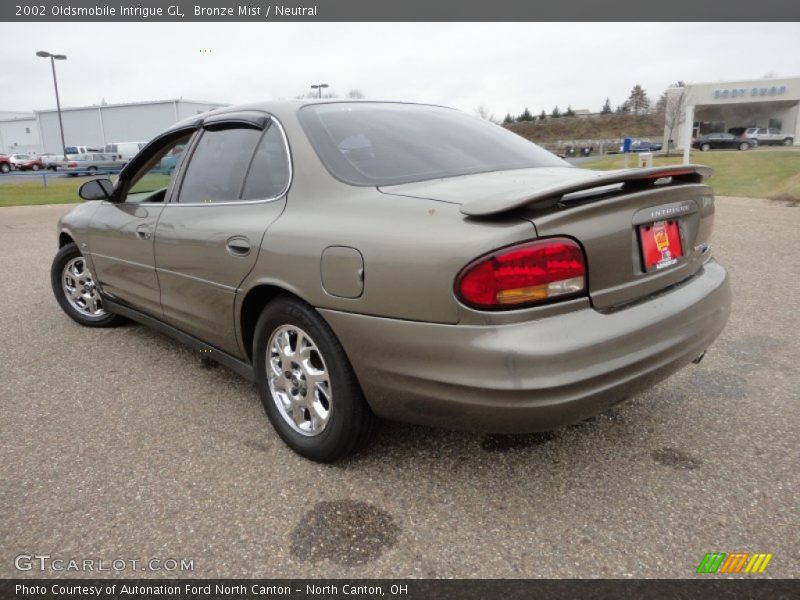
{"x":503,"y":66}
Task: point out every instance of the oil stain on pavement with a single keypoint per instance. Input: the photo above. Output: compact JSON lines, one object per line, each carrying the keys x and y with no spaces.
{"x":347,"y":532}
{"x":504,"y":443}
{"x":678,"y":459}
{"x":719,"y":383}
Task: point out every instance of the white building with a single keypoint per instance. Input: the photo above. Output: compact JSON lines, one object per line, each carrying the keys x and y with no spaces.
{"x":732,"y":106}
{"x":95,"y":126}
{"x":18,"y":132}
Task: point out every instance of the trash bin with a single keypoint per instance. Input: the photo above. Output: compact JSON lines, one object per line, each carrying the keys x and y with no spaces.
{"x":645,"y":160}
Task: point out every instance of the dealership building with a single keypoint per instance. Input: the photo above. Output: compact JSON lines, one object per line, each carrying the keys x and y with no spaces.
{"x":732,"y":106}
{"x":93,"y":126}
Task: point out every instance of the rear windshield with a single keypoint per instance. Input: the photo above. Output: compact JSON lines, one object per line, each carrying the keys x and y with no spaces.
{"x":384,"y":143}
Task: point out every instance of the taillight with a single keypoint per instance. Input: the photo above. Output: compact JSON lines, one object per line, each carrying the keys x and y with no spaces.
{"x":529,"y":273}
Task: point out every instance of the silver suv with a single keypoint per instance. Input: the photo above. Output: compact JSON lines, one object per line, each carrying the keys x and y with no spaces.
{"x":768,"y":135}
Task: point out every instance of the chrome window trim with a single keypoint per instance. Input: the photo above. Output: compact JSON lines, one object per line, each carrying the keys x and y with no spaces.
{"x":283,"y":193}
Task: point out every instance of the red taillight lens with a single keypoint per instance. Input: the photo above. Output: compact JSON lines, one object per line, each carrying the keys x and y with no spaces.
{"x":525,"y":274}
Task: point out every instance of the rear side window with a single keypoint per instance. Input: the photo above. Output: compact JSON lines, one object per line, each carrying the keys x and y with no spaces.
{"x":269,"y":171}
{"x":375,"y":143}
{"x":218,"y":166}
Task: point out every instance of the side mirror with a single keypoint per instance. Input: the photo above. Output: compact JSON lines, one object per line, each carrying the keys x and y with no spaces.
{"x":97,"y":189}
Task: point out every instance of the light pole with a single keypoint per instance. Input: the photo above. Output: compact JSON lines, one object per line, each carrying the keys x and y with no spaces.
{"x":53,"y":58}
{"x":319,"y":86}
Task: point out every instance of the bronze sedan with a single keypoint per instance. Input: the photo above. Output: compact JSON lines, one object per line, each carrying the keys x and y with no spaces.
{"x":366,"y":260}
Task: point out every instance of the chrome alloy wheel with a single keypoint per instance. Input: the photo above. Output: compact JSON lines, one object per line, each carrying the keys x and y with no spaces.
{"x":80,"y":289}
{"x":299,"y":380}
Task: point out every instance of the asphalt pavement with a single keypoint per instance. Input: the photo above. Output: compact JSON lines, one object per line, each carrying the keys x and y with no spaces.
{"x":122,"y":444}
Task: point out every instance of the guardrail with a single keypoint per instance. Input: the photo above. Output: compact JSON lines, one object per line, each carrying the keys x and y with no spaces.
{"x":45,"y":173}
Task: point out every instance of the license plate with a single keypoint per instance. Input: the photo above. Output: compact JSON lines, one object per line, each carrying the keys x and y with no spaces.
{"x":661,"y":244}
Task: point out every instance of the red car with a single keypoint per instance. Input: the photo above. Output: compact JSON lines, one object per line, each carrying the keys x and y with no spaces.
{"x":26,"y":162}
{"x":5,"y":164}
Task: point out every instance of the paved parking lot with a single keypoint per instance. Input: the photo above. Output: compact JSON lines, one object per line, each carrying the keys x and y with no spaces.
{"x":121,"y":443}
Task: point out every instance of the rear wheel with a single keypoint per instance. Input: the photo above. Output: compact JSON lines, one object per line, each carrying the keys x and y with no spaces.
{"x":4,"y":168}
{"x":744,"y":146}
{"x":92,"y":170}
{"x":76,"y":291}
{"x":307,"y":386}
{"x":705,"y":147}
{"x":788,"y":142}
{"x":35,"y":167}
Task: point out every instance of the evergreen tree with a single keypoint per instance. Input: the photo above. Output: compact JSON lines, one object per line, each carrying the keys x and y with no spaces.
{"x":569,"y":112}
{"x":638,"y":102}
{"x":543,"y":116}
{"x":606,"y":110}
{"x":525,"y":116}
{"x":556,"y":112}
{"x":509,"y":119}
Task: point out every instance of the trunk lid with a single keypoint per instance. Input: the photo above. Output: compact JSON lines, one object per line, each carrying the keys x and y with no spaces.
{"x":602,"y":210}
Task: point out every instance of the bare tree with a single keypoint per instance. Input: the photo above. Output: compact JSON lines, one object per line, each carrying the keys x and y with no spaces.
{"x":674,"y":112}
{"x":355,"y":94}
{"x":484,"y":113}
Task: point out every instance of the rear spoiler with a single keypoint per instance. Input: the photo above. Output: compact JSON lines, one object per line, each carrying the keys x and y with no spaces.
{"x":631,"y":180}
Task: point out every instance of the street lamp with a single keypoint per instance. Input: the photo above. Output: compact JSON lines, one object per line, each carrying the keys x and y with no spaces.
{"x":53,"y":58}
{"x":319,"y":87}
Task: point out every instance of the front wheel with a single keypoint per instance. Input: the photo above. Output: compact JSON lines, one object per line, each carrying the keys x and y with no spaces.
{"x":788,"y":142}
{"x":744,"y":146}
{"x":76,"y":291}
{"x":35,"y":168}
{"x":4,"y":168}
{"x":705,"y":147}
{"x":307,"y":386}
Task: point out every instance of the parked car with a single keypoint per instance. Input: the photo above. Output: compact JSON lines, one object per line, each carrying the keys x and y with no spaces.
{"x":721,"y":141}
{"x":123,"y":150}
{"x":92,"y":164}
{"x":5,"y":164}
{"x":54,"y":162}
{"x":81,"y":149}
{"x":769,"y":136}
{"x":427,"y":266}
{"x":25,"y":162}
{"x":643,"y":146}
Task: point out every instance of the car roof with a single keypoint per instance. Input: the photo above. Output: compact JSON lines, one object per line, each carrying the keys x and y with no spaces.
{"x":283,"y":109}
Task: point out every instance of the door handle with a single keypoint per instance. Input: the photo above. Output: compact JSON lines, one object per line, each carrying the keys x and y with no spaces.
{"x":143,"y":232}
{"x":238,"y":246}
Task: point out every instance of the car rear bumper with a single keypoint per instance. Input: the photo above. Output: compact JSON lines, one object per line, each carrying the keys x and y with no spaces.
{"x":536,"y":375}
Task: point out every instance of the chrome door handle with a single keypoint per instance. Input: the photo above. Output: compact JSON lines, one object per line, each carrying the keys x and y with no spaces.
{"x":238,"y":246}
{"x":143,"y":232}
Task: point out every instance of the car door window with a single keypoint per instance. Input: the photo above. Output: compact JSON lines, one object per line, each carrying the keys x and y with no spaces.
{"x":268,"y":175}
{"x":218,"y":166}
{"x":158,"y":173}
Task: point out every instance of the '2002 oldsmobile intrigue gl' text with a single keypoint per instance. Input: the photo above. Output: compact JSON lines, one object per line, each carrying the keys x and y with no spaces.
{"x":365,"y":260}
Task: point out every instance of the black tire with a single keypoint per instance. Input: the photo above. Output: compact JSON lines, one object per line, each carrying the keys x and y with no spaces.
{"x":92,"y":170}
{"x":788,"y":142}
{"x":705,"y":147}
{"x":35,"y":168}
{"x":4,"y":168}
{"x":351,"y":424}
{"x":63,"y":256}
{"x":744,"y":146}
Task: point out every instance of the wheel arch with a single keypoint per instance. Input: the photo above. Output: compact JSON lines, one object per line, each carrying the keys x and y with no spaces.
{"x":253,"y":302}
{"x":65,"y":238}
